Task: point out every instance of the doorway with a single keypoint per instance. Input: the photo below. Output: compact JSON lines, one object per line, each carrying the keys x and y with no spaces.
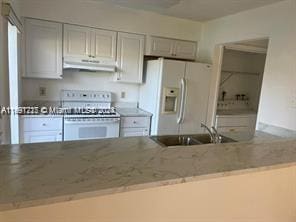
{"x":236,"y":87}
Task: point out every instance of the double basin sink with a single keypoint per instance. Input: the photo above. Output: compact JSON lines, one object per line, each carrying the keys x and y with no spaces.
{"x":187,"y":140}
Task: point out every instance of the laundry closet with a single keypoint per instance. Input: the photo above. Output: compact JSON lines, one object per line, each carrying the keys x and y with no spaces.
{"x":239,"y":89}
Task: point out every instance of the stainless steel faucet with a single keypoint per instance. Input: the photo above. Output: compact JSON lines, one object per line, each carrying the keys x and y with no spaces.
{"x":218,"y":138}
{"x":215,"y":137}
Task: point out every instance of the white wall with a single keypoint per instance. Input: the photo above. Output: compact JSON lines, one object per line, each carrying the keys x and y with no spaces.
{"x":80,"y":81}
{"x":277,"y":22}
{"x":90,"y":13}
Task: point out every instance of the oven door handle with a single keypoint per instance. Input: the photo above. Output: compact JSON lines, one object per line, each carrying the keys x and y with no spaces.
{"x":66,"y":122}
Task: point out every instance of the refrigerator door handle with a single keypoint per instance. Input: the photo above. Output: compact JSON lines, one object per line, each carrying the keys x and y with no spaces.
{"x":184,"y":100}
{"x":182,"y":103}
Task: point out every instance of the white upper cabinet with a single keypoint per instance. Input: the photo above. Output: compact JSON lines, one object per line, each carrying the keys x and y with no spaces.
{"x":162,"y":46}
{"x":77,"y":41}
{"x":130,"y":56}
{"x":104,"y":44}
{"x":84,"y":43}
{"x":171,"y":48}
{"x":185,"y":49}
{"x":43,"y":49}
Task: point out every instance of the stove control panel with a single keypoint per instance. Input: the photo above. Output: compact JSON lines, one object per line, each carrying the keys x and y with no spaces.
{"x":86,"y":96}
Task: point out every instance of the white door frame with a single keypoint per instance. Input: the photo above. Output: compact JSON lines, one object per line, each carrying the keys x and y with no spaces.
{"x":216,"y":76}
{"x":13,"y":64}
{"x":214,"y":86}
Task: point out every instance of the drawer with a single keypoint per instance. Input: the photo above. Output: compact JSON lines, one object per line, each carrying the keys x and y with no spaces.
{"x":41,"y":123}
{"x":42,"y":136}
{"x":132,"y":132}
{"x":235,"y":121}
{"x":233,"y":129}
{"x":135,"y":122}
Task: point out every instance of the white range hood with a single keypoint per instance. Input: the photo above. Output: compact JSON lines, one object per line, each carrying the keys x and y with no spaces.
{"x":89,"y":64}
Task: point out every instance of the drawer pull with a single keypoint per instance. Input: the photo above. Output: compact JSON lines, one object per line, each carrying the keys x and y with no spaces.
{"x":43,"y":124}
{"x":135,"y":122}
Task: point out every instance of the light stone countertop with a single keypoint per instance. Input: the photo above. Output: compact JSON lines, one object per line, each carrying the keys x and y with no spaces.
{"x":39,"y":174}
{"x":134,"y":112}
{"x":237,"y":112}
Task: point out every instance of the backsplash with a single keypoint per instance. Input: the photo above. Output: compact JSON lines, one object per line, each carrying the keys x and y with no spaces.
{"x":75,"y":80}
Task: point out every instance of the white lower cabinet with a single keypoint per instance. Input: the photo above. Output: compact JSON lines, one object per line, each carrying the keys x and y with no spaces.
{"x":41,"y":129}
{"x":42,"y":136}
{"x":130,"y":132}
{"x":135,"y":126}
{"x":237,"y":127}
{"x":235,"y":123}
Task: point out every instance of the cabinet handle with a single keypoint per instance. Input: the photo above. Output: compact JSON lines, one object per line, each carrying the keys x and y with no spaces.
{"x":43,"y":124}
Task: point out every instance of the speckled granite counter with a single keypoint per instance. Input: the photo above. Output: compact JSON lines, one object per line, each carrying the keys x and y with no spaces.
{"x":38,"y":174}
{"x":136,"y":112}
{"x":236,"y":112}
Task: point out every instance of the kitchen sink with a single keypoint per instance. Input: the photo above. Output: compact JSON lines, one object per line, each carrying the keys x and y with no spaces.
{"x":187,"y":140}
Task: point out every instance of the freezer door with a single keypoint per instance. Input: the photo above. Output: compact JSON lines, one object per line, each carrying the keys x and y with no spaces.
{"x":172,"y":73}
{"x":198,"y":78}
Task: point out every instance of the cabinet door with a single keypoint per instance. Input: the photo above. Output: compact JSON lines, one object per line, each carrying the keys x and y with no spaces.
{"x":42,"y":136}
{"x":43,"y":49}
{"x":77,"y":41}
{"x":185,"y":49}
{"x":162,"y":47}
{"x":130,"y":132}
{"x":104,"y":44}
{"x":130,"y":56}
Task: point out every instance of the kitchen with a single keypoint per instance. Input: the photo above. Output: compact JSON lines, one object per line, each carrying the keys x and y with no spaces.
{"x":89,"y":51}
{"x":150,"y":81}
{"x":120,"y":56}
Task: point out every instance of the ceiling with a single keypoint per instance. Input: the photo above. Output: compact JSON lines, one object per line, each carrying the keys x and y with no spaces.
{"x":198,"y":10}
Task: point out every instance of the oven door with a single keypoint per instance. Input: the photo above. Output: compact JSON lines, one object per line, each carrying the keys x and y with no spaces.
{"x":85,"y":129}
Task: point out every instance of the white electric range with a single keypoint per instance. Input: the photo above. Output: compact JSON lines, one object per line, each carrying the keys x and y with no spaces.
{"x":89,"y":115}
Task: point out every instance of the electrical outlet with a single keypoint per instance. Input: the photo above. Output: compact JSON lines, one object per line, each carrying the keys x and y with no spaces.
{"x":293,"y":100}
{"x":122,"y":95}
{"x":42,"y":91}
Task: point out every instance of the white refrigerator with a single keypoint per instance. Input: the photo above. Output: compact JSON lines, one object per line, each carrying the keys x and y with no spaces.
{"x":177,"y":94}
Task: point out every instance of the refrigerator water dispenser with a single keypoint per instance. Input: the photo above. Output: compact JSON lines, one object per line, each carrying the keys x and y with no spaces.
{"x":170,"y":100}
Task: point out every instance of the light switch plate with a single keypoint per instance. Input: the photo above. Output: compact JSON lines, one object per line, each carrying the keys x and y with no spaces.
{"x":122,"y":95}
